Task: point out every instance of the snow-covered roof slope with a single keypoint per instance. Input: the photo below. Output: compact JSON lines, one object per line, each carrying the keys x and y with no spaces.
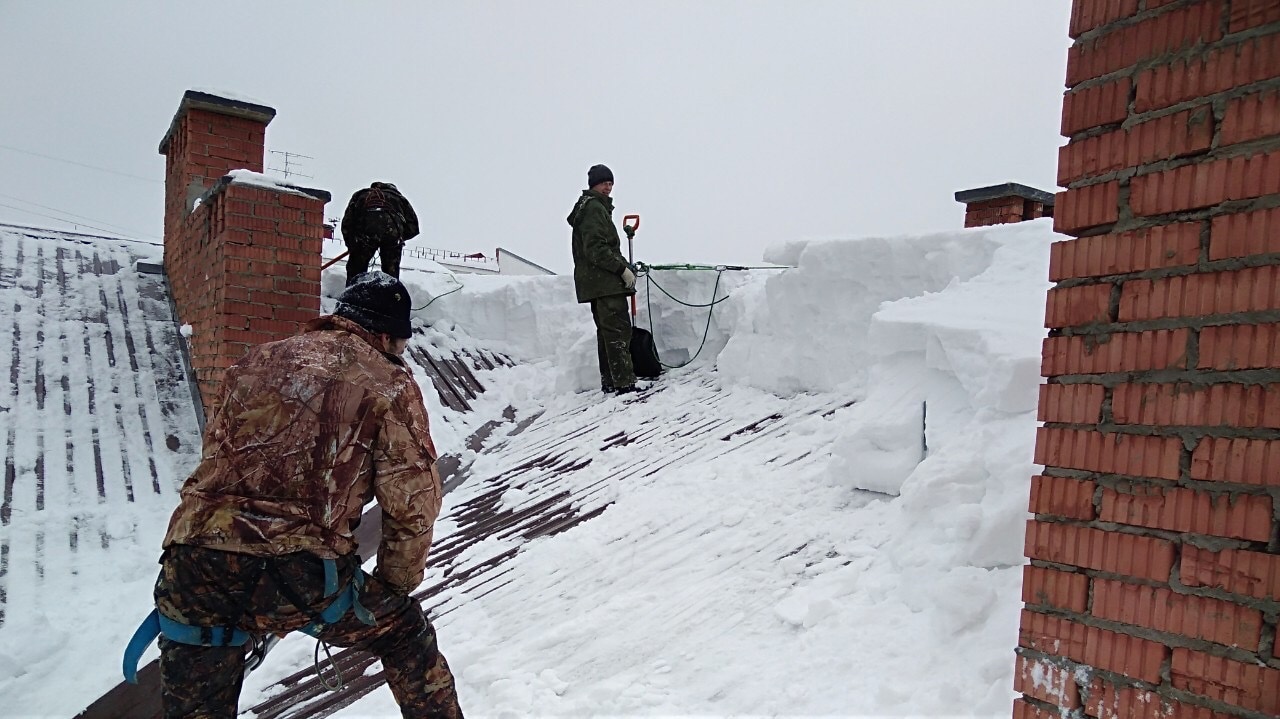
{"x":833,"y":493}
{"x":821,"y":515}
{"x":98,"y":429}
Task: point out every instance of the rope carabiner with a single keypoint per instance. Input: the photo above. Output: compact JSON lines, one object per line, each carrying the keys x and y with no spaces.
{"x":339,"y":684}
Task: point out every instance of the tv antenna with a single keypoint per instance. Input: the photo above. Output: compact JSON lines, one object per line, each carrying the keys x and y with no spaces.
{"x":291,"y":164}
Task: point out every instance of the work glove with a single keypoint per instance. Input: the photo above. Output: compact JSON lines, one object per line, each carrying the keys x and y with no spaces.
{"x":630,"y":230}
{"x":629,"y":278}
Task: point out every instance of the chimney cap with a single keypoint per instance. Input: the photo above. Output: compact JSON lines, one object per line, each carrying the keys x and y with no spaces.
{"x":1008,"y":189}
{"x":198,"y":100}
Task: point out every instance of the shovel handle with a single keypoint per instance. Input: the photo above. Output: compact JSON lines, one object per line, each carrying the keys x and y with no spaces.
{"x":627,"y":220}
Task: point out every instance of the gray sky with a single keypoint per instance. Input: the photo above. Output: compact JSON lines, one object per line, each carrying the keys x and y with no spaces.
{"x":729,"y":124}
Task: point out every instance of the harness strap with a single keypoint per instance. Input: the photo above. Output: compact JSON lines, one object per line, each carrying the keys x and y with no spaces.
{"x":142,"y":638}
{"x":156,"y":623}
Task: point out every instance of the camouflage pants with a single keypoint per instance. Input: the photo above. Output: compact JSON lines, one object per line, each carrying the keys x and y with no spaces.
{"x":205,"y":587}
{"x":379,"y":232}
{"x":613,"y":340}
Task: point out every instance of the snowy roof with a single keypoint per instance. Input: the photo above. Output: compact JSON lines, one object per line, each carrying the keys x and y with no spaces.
{"x":836,"y":487}
{"x":556,"y":470}
{"x":98,"y":425}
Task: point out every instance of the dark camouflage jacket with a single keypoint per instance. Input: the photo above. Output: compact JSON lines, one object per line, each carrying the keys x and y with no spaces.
{"x":390,"y":199}
{"x":309,"y":430}
{"x":597,"y":251}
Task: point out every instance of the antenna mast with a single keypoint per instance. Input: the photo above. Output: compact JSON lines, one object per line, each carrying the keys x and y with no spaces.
{"x":291,"y":164}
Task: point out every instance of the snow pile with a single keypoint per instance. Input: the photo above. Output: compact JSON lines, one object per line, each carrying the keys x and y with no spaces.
{"x":878,"y":575}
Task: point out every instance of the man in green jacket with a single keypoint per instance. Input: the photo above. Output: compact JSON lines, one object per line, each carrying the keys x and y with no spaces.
{"x":602,"y":277}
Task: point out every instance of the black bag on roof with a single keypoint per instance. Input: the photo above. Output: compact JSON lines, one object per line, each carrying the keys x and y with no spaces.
{"x":644,"y":354}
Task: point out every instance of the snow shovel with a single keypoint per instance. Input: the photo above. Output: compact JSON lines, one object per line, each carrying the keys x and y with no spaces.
{"x":644,"y":354}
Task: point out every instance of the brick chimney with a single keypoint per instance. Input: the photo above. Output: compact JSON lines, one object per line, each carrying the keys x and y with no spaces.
{"x":1000,"y":204}
{"x":241,"y":250}
{"x":1153,"y":588}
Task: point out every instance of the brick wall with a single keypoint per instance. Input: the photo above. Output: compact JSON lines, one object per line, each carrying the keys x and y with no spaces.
{"x":1154,"y":584}
{"x":1002,"y":211}
{"x":244,"y":264}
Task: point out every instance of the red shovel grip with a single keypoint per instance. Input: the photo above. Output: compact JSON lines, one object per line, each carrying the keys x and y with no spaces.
{"x":626,"y":220}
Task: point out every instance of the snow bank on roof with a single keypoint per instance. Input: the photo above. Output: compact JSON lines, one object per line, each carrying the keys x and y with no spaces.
{"x":810,"y":331}
{"x":824,"y":324}
{"x":939,"y":335}
{"x":972,"y":329}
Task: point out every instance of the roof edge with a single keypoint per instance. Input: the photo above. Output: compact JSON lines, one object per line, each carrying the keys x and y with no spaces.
{"x":501,"y":250}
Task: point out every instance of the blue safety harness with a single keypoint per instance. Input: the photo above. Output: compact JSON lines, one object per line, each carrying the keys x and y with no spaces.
{"x":348,"y":599}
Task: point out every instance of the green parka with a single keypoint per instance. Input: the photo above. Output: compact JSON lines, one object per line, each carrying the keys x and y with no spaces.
{"x":597,"y":250}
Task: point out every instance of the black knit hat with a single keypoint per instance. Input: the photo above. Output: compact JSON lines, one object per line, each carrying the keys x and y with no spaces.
{"x":598,"y":174}
{"x":379,"y":303}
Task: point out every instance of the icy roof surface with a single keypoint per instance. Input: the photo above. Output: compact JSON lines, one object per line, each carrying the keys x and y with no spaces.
{"x":97,"y":431}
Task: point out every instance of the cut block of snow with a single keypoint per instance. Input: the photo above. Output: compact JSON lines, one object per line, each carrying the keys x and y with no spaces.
{"x":883,"y":448}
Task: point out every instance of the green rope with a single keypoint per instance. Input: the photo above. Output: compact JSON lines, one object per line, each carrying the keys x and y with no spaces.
{"x":716,"y":268}
{"x":648,"y":306}
{"x":433,"y":299}
{"x":713,"y":302}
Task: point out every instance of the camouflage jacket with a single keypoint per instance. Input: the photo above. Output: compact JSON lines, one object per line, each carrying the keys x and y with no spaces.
{"x":309,"y":430}
{"x":597,"y":251}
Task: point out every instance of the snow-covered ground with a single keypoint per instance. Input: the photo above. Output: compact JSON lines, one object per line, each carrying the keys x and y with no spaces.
{"x":861,"y":560}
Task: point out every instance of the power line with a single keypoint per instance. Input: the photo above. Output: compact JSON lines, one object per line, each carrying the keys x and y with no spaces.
{"x":81,"y":164}
{"x":77,"y":224}
{"x":83,"y":217}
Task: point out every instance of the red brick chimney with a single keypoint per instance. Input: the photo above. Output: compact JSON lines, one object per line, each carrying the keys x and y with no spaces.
{"x":1153,"y":589}
{"x":1000,"y":204}
{"x":241,"y":251}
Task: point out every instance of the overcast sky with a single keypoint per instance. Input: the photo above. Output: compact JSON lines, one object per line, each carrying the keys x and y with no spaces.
{"x":729,"y":124}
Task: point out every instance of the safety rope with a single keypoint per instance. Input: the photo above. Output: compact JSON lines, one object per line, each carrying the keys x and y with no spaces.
{"x":433,"y":299}
{"x":711,"y":308}
{"x":643,"y":269}
{"x":717,"y":268}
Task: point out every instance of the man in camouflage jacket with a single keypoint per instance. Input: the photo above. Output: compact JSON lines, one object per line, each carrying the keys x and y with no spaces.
{"x":309,"y":430}
{"x":602,"y":277}
{"x":377,"y":219}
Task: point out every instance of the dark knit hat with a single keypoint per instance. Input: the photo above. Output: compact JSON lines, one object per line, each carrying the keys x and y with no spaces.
{"x":379,"y":303}
{"x":598,"y":174}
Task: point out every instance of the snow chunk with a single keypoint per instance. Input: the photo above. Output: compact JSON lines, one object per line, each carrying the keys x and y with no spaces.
{"x":257,"y":179}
